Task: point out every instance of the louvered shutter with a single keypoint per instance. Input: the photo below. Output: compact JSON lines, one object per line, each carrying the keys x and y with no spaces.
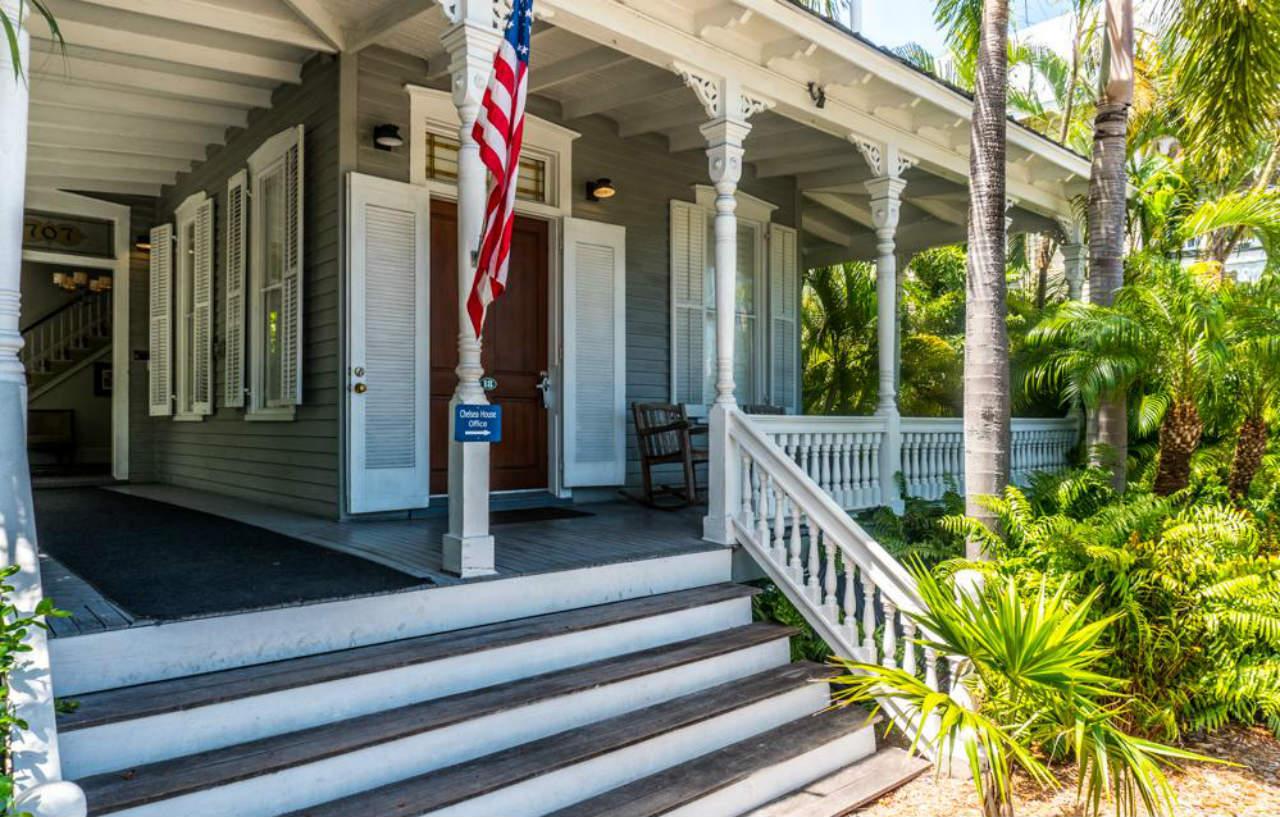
{"x":160,"y":316}
{"x":291,"y":296}
{"x":387,"y":439}
{"x":233,"y":308}
{"x":784,"y":311}
{"x":688,"y":312}
{"x":594,"y":353}
{"x":202,"y":312}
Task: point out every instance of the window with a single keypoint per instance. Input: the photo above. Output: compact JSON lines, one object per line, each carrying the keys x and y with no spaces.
{"x":193,"y":273}
{"x":275,"y":277}
{"x":442,"y":165}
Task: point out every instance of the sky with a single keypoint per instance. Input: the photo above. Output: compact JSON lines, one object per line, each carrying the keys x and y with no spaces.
{"x":896,"y":22}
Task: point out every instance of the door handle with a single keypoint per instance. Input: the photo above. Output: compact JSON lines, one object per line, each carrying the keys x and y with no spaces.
{"x":544,"y":386}
{"x":359,"y":388}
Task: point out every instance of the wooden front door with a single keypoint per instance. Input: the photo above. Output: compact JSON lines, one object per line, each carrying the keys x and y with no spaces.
{"x":515,"y":353}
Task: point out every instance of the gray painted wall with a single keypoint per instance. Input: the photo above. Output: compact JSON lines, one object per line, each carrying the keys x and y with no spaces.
{"x":647,"y":177}
{"x":291,"y":464}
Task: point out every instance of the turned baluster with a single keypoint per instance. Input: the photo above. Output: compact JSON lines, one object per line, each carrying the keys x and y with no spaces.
{"x":813,"y":566}
{"x":846,"y":473}
{"x":779,"y":523}
{"x":908,"y":645}
{"x":873,"y":472}
{"x":744,"y":514}
{"x":957,"y":670}
{"x":858,"y":496}
{"x":830,"y":607}
{"x":890,"y":634}
{"x":794,"y":567}
{"x":850,"y":604}
{"x":931,"y":668}
{"x":868,"y":618}
{"x":762,"y":510}
{"x":805,"y":454}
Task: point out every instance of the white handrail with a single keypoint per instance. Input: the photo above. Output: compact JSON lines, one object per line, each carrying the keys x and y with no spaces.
{"x":840,"y":454}
{"x":73,"y":329}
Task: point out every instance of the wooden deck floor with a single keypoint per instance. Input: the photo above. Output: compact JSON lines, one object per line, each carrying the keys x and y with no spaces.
{"x":614,"y":532}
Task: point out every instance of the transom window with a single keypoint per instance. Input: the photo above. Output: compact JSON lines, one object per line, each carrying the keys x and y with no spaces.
{"x":442,"y":165}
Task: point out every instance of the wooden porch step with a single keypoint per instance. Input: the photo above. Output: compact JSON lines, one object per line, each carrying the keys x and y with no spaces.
{"x":454,"y":788}
{"x":699,"y":786}
{"x":193,"y":691}
{"x":154,"y":783}
{"x":850,"y":788}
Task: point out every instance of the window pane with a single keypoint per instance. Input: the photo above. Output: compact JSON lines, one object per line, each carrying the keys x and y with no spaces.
{"x":273,"y":347}
{"x":273,"y":227}
{"x":746,"y":295}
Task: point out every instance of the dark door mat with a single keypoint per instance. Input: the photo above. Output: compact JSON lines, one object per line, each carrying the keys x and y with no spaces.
{"x":514,"y":515}
{"x":160,"y":561}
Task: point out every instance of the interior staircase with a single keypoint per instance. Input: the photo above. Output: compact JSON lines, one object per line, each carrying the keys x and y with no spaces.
{"x":658,"y":703}
{"x":64,"y":341}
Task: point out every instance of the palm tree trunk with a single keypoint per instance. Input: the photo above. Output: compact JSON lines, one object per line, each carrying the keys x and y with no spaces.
{"x":986,"y":348}
{"x":1251,"y":444}
{"x":1109,"y":443}
{"x":1180,"y":433}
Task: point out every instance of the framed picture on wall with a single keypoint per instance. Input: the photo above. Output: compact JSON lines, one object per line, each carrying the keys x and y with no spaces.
{"x":102,"y":379}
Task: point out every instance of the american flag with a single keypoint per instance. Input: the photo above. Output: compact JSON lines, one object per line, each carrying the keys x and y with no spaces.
{"x":499,"y":130}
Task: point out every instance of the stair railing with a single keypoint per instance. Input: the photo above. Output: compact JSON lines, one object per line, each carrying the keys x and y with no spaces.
{"x":854,"y":594}
{"x":72,"y":327}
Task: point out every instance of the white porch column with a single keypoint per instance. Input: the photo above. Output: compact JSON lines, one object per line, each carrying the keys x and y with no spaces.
{"x":1075,"y":253}
{"x":886,"y":201}
{"x":37,"y":769}
{"x":471,"y":43}
{"x":729,"y":108}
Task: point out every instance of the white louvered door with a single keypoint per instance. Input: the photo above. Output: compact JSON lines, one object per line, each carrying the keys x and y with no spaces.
{"x":784,"y":311}
{"x":595,"y":376}
{"x":387,"y":346}
{"x":160,"y":318}
{"x":688,"y":303}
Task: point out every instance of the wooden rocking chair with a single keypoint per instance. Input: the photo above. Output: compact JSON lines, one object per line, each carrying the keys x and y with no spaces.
{"x":664,"y":435}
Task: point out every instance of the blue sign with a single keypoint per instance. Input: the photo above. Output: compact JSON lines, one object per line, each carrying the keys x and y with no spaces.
{"x":477,"y":424}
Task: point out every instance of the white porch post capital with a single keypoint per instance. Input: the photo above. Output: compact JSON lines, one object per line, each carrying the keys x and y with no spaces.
{"x":886,"y":205}
{"x":471,"y":43}
{"x":1075,"y":254}
{"x":37,"y":766}
{"x":728,"y":107}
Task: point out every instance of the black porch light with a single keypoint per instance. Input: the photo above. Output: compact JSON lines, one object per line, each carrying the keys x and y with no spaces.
{"x":387,"y":137}
{"x":600,"y":189}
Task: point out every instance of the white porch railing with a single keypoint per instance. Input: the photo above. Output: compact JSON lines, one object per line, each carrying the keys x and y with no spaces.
{"x":840,"y":454}
{"x":853,"y":593}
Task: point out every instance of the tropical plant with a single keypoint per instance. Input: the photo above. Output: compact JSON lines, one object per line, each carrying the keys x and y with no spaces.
{"x":1031,"y":688}
{"x":1192,"y":584}
{"x":838,"y":334}
{"x":1249,"y":389}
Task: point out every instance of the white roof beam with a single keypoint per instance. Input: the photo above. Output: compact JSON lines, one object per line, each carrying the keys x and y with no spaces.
{"x":590,"y":61}
{"x":853,"y":175}
{"x":846,"y":206}
{"x":122,"y":125}
{"x":39,"y":182}
{"x":828,"y":226}
{"x":110,"y":173}
{"x":375,"y":26}
{"x":66,"y":139}
{"x":675,"y":117}
{"x":103,"y":158}
{"x":122,"y":102}
{"x":316,"y":17}
{"x":578,"y":107}
{"x":90,"y":35}
{"x":222,"y":17}
{"x":53,"y":66}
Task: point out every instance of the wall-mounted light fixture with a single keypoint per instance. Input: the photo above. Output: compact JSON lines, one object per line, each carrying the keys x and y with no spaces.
{"x":387,"y":137}
{"x":818,"y":94}
{"x":600,"y":189}
{"x":142,"y":242}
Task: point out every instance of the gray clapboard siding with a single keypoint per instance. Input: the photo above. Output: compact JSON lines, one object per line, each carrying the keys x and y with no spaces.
{"x":646,"y":174}
{"x":291,"y":464}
